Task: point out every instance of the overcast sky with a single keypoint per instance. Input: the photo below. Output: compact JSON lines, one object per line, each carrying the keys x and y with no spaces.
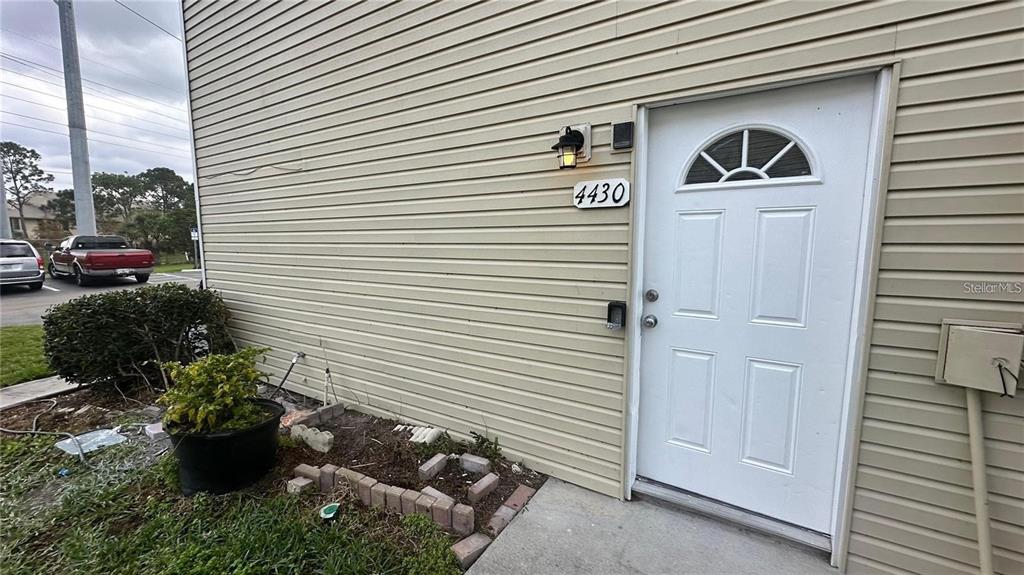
{"x":133,"y":79}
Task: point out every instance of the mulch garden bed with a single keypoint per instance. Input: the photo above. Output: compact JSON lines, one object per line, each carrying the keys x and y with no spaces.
{"x":75,"y":412}
{"x":362,"y":442}
{"x":367,"y":444}
{"x":134,"y":518}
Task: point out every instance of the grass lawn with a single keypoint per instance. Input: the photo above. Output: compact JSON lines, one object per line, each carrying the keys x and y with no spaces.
{"x":21,"y":354}
{"x":171,"y":268}
{"x":113,"y":520}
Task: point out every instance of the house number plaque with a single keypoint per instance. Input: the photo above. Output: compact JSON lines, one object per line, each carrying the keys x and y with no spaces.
{"x":611,"y":193}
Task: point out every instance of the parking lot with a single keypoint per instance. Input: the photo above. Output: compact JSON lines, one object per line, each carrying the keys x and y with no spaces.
{"x":20,"y":305}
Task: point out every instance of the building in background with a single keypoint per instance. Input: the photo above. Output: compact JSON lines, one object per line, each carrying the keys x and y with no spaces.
{"x":40,"y":223}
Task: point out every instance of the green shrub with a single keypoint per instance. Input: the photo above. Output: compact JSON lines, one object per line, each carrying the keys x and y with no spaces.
{"x":213,"y":393}
{"x":124,"y":337}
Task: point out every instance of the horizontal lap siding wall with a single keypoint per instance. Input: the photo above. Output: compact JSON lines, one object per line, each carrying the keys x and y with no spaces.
{"x":954,"y":215}
{"x":433,"y":253}
{"x":376,"y":176}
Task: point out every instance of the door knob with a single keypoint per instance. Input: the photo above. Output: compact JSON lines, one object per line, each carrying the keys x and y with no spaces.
{"x":649,"y":321}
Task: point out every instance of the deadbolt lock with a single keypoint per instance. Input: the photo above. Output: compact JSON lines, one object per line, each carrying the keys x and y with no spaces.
{"x":651,"y":295}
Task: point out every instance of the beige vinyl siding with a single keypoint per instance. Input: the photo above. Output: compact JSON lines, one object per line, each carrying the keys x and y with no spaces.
{"x":954,"y":214}
{"x":375,"y":178}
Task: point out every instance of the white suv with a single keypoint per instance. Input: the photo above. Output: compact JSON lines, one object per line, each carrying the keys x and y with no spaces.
{"x":20,"y":264}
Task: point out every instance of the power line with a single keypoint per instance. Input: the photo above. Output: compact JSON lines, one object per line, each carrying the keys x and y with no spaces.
{"x":97,"y":131}
{"x":65,"y":108}
{"x":57,"y":73}
{"x":97,"y":140}
{"x":32,"y":118}
{"x":33,"y":128}
{"x":97,"y":62}
{"x":148,"y":20}
{"x":108,"y":97}
{"x":177,"y":137}
{"x":27,"y":101}
{"x":94,"y":131}
{"x":60,"y":74}
{"x":20,"y":87}
{"x":43,"y":80}
{"x":89,"y":91}
{"x":91,"y":139}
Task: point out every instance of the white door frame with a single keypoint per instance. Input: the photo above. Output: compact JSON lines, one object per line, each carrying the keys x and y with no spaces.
{"x":867,"y":255}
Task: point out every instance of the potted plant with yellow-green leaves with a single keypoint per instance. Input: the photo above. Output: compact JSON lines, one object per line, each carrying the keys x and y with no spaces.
{"x":224,"y":436}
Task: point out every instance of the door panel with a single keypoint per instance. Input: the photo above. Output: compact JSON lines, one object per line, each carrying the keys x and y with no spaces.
{"x":782,"y":265}
{"x":690,"y":398}
{"x":60,"y":261}
{"x":754,"y":254}
{"x":698,"y":243}
{"x":770,"y":405}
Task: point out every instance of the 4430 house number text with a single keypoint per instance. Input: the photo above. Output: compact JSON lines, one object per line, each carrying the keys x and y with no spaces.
{"x":611,"y":193}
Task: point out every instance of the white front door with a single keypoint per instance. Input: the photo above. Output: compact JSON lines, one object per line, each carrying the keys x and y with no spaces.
{"x":753,"y":222}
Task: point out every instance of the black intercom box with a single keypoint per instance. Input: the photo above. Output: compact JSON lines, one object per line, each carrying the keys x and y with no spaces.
{"x":622,"y":136}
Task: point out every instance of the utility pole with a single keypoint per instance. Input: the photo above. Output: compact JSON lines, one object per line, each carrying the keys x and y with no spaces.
{"x":85,"y":215}
{"x":5,"y":222}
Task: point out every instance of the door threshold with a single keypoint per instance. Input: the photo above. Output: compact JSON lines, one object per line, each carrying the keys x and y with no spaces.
{"x":731,"y":514}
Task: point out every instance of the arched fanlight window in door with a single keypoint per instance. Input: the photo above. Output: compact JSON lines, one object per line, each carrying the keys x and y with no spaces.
{"x":748,"y":154}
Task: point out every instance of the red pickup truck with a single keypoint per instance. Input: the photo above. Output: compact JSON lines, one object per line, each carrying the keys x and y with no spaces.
{"x":86,"y":258}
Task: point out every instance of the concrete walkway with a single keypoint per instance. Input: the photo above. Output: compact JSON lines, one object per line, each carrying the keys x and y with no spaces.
{"x":568,"y":530}
{"x":20,"y":393}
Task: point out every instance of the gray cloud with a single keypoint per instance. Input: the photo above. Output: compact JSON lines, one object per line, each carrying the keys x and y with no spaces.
{"x":135,"y":89}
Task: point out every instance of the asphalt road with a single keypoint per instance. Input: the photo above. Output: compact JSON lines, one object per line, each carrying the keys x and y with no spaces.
{"x":21,"y":306}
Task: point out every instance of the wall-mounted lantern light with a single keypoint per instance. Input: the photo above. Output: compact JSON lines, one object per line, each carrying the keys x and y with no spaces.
{"x":573,"y":146}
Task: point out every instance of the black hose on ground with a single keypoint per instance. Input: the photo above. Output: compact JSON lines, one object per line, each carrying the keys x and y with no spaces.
{"x":295,"y":359}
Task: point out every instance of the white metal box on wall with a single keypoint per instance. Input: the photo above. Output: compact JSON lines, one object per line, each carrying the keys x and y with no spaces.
{"x":980,"y":355}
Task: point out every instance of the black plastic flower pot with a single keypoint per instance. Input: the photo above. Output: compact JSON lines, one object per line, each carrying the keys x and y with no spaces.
{"x":228,"y":460}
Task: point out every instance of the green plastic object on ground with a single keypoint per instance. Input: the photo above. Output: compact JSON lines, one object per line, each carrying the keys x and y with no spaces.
{"x":329,"y":511}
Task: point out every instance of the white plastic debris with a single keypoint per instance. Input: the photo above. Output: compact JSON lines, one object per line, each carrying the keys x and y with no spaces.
{"x":155,"y":431}
{"x":317,"y":440}
{"x":90,"y":441}
{"x":420,"y":434}
{"x":431,"y":435}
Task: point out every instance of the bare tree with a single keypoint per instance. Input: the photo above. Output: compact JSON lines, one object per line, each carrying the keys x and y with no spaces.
{"x":23,"y":176}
